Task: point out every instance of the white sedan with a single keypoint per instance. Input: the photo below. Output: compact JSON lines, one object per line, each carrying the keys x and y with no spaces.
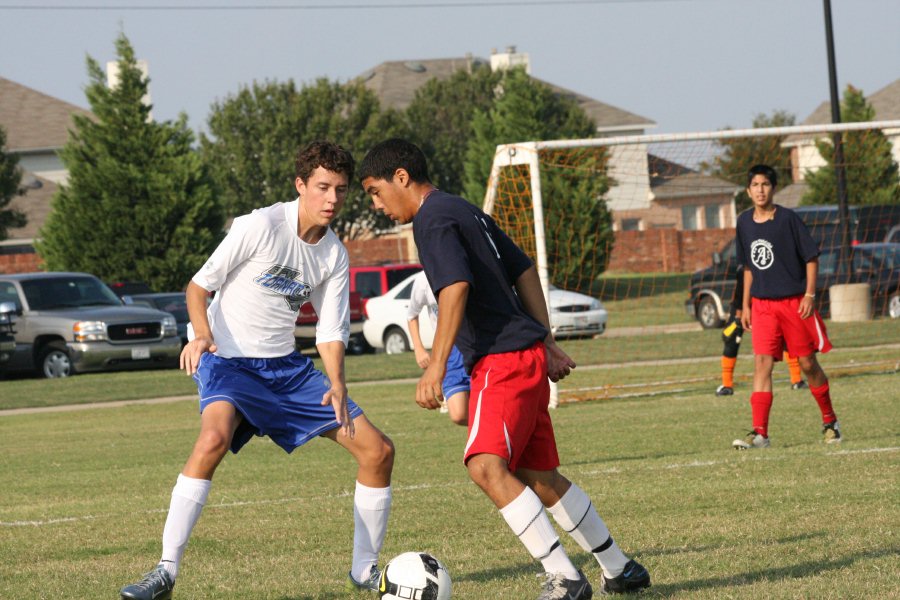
{"x":571,"y":315}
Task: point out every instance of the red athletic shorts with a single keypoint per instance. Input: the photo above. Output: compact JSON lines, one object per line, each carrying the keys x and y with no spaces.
{"x":777,"y":325}
{"x":508,"y":414}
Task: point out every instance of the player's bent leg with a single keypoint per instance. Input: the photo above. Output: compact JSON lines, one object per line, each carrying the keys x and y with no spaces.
{"x":490,"y":473}
{"x":458,"y":405}
{"x":374,"y":454}
{"x":217,"y":425}
{"x":815,"y":375}
{"x":372,"y":449}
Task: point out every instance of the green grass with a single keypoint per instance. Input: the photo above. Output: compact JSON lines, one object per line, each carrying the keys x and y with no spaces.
{"x":85,"y":495}
{"x":107,"y":387}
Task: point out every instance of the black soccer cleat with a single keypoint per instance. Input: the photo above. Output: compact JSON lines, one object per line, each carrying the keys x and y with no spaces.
{"x":724,"y":390}
{"x":557,"y":587}
{"x":633,"y":579}
{"x":156,"y":585}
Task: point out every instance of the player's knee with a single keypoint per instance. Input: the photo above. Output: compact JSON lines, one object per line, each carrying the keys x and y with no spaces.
{"x":212,"y":443}
{"x":731,"y":349}
{"x":380,"y":455}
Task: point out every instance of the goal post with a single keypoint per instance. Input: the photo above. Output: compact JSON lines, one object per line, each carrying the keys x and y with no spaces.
{"x":667,"y":201}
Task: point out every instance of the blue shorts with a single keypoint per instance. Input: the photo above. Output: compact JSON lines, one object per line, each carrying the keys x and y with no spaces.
{"x":277,"y":397}
{"x":455,"y":379}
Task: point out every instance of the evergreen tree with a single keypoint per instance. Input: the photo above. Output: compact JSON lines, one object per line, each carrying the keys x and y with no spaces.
{"x":739,"y":154}
{"x":872,"y":173}
{"x":578,"y":224}
{"x":138,"y":204}
{"x":256,"y":134}
{"x":10,"y":177}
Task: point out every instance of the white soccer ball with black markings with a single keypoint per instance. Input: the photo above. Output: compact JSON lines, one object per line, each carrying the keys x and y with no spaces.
{"x":415,"y":576}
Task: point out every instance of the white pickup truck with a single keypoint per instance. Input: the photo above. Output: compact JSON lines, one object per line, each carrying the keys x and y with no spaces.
{"x":69,"y":323}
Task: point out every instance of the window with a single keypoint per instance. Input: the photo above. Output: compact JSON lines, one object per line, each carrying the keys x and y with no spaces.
{"x":631,"y":224}
{"x":368,"y":284}
{"x":689,"y":217}
{"x":711,"y":213}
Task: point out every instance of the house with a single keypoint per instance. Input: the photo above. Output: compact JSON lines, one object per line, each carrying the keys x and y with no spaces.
{"x":395,"y":83}
{"x":37,"y":127}
{"x":804,"y":154}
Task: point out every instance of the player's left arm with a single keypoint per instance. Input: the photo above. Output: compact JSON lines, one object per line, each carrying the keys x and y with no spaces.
{"x":808,"y":303}
{"x":451,"y":309}
{"x":332,"y":355}
{"x":528,"y":287}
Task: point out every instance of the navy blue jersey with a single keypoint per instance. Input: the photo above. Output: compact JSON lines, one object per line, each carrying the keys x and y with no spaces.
{"x":458,"y":242}
{"x":776,"y":252}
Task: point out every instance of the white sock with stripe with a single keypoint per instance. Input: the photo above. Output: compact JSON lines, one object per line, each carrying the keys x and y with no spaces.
{"x":526,"y":517}
{"x":188,"y":497}
{"x":576,"y":515}
{"x":371,"y":509}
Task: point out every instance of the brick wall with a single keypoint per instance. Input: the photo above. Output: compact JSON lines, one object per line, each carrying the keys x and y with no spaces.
{"x":19,"y":263}
{"x":666,"y":250}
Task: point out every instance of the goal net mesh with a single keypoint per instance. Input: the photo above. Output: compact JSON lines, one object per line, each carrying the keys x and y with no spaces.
{"x":645,"y":224}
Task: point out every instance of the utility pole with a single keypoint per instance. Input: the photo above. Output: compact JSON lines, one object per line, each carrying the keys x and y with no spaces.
{"x":840,"y":172}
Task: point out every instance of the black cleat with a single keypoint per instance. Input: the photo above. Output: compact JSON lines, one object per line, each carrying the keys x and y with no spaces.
{"x":799,"y":385}
{"x":557,"y":587}
{"x":156,"y":585}
{"x":724,"y":390}
{"x":634,"y":578}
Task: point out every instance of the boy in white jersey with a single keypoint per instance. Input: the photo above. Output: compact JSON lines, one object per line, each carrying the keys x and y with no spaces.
{"x":250,"y":378}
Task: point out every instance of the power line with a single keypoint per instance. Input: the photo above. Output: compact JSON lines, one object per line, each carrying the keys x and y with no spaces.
{"x":349,"y":6}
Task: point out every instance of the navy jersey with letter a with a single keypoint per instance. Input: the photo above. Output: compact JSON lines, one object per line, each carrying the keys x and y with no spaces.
{"x":457,"y":241}
{"x":776,"y":251}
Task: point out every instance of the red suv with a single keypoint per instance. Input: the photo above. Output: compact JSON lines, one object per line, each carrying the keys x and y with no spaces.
{"x":376,"y":280}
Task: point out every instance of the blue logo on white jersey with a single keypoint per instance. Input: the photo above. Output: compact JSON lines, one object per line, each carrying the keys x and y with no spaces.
{"x":285,"y":281}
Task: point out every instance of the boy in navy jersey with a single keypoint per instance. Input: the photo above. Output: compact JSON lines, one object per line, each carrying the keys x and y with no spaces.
{"x":780,"y":261}
{"x":491,"y":303}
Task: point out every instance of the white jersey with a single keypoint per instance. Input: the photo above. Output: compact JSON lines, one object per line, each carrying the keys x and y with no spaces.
{"x":420,"y":297}
{"x":263,"y":272}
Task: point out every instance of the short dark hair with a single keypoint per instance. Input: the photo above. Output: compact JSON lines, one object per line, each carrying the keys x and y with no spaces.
{"x":327,"y":155}
{"x":764,"y":170}
{"x":383,"y":160}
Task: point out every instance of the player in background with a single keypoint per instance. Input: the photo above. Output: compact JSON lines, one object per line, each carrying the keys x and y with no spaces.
{"x":250,"y":378}
{"x":490,"y":303}
{"x":780,"y":261}
{"x":455,"y":386}
{"x":731,"y":336}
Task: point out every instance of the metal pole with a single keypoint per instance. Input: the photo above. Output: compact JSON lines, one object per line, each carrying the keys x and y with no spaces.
{"x":839,"y":167}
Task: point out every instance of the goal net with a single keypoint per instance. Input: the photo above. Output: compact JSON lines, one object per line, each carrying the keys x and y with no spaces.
{"x":645,"y":224}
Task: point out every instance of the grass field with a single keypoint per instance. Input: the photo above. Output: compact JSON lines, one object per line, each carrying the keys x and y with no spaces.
{"x":85,"y":493}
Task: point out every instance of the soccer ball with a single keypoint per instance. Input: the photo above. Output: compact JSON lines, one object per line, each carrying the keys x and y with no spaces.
{"x":415,"y":576}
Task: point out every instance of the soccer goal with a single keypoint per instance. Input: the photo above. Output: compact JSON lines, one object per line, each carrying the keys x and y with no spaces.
{"x":645,"y":224}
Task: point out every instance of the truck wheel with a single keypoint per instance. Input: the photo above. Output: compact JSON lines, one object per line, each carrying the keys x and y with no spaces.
{"x":708,"y":314}
{"x":54,"y":361}
{"x":395,"y":341}
{"x":893,"y":308}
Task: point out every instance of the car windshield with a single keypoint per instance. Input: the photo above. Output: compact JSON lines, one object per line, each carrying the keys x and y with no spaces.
{"x":176,"y":305}
{"x":67,"y":292}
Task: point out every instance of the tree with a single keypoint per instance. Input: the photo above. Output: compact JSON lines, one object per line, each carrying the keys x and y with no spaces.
{"x":872,"y":173}
{"x":577,"y":221}
{"x":138,"y":204}
{"x":256,"y":134}
{"x":10,"y":178}
{"x":739,"y":154}
{"x":440,"y":121}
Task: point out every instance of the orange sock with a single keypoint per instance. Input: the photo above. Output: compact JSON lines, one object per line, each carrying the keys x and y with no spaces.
{"x":728,"y":371}
{"x":794,"y":367}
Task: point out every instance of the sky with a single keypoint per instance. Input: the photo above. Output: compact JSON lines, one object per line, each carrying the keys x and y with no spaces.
{"x":688,"y":65}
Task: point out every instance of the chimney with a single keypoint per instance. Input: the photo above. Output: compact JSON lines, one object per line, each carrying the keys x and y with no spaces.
{"x":510,"y":58}
{"x":112,"y":79}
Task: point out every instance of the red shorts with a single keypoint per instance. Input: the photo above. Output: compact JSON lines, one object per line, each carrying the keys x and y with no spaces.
{"x":508,"y":414}
{"x":777,"y":325}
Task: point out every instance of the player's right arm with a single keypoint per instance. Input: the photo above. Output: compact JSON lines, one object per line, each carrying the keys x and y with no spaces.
{"x":203,"y":338}
{"x":745,"y":310}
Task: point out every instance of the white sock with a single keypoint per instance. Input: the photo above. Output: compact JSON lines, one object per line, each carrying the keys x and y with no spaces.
{"x":188,"y":497}
{"x":577,"y":516}
{"x":526,"y":517}
{"x":371,"y":509}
